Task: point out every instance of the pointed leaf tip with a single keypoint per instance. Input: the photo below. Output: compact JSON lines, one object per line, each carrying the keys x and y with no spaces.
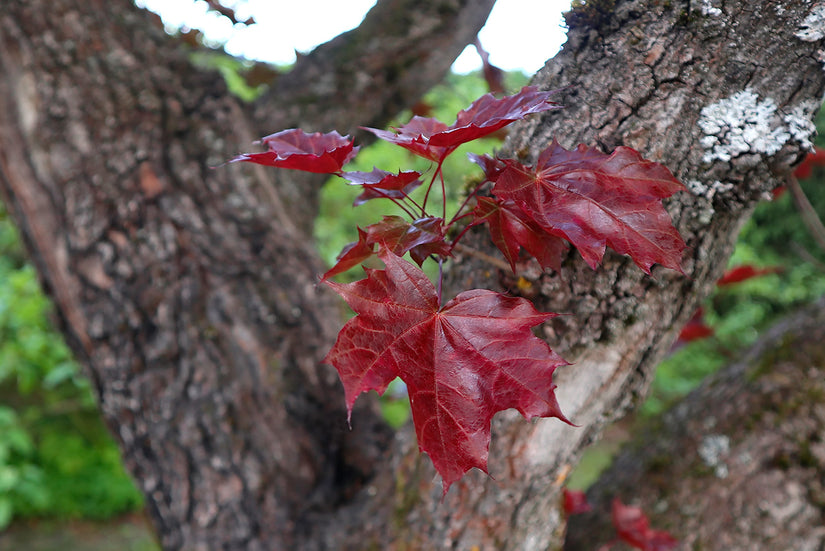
{"x":297,"y":150}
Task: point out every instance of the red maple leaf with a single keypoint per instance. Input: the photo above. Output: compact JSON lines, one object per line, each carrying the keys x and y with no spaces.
{"x":510,"y":230}
{"x":745,"y":272}
{"x":295,"y":149}
{"x":633,"y":527}
{"x":352,"y":255}
{"x":575,"y":502}
{"x":434,"y":140}
{"x":382,"y":184}
{"x":422,"y":238}
{"x":695,"y":329}
{"x":462,"y":362}
{"x":593,"y":200}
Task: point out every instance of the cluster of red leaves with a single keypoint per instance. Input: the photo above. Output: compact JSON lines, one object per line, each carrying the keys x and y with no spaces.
{"x":475,"y":355}
{"x":587,"y":198}
{"x":631,"y":524}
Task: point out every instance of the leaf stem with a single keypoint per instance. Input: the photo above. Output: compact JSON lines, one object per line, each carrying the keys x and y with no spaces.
{"x":430,"y":188}
{"x":464,"y":204}
{"x":440,"y":278}
{"x":400,"y":204}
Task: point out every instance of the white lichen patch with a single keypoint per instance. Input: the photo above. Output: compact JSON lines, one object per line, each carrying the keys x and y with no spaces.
{"x":704,"y":211}
{"x":742,"y":124}
{"x":708,"y":191}
{"x":813,"y":27}
{"x":711,"y":450}
{"x":800,"y":123}
{"x":709,"y":10}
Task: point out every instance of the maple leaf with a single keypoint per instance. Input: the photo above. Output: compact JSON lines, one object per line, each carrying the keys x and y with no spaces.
{"x":422,"y":238}
{"x":694,"y":330}
{"x":745,"y":272}
{"x":462,"y":362}
{"x":434,"y":140}
{"x":492,"y":166}
{"x":633,"y":527}
{"x":510,"y":230}
{"x":382,"y":184}
{"x":295,"y":149}
{"x":575,"y":502}
{"x":593,"y":200}
{"x":352,"y":255}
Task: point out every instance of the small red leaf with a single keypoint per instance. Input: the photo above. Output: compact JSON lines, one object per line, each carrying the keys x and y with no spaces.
{"x":488,"y":114}
{"x":633,"y":528}
{"x":415,"y":137}
{"x":593,"y":200}
{"x":745,"y":272}
{"x":491,"y":166}
{"x":575,"y":502}
{"x":462,"y":362}
{"x":295,"y":149}
{"x":511,"y":229}
{"x":352,"y":255}
{"x":695,"y":329}
{"x":493,"y":75}
{"x":379,"y":184}
{"x":422,"y":238}
{"x":434,"y":140}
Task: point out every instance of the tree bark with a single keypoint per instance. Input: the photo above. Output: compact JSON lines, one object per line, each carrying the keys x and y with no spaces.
{"x":189,"y":293}
{"x":740,"y":463}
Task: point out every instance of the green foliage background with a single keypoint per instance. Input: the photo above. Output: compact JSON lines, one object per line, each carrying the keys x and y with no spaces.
{"x":56,"y":457}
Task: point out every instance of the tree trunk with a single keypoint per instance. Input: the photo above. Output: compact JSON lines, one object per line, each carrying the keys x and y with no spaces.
{"x":740,"y":463}
{"x":189,"y":293}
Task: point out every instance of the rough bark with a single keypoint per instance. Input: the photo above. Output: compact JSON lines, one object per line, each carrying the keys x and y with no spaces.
{"x":637,"y":74}
{"x":189,"y":292}
{"x":740,"y":463}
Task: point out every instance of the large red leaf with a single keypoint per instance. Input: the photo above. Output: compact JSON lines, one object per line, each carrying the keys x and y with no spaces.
{"x":434,"y":140}
{"x":462,"y":362}
{"x":295,"y":149}
{"x":593,"y":200}
{"x":510,"y":230}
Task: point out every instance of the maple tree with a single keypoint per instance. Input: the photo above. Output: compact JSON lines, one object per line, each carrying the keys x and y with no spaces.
{"x":189,"y":294}
{"x":465,"y":360}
